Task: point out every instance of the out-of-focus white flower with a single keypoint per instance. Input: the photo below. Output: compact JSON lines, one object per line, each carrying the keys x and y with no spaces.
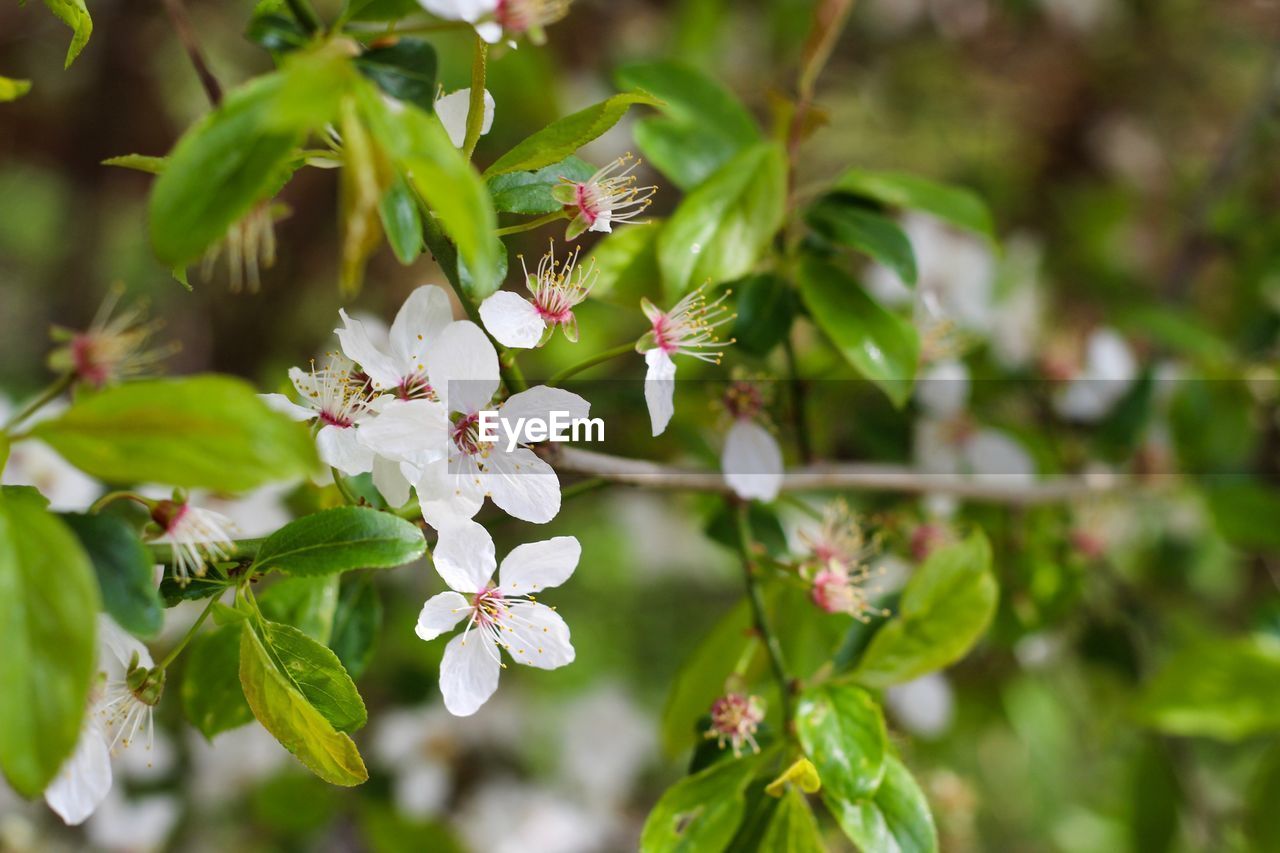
{"x":943,"y":389}
{"x":453,"y":110}
{"x":197,"y":535}
{"x":608,"y":197}
{"x":258,"y":513}
{"x":751,"y":459}
{"x":227,"y":766}
{"x":556,"y":289}
{"x":607,"y":740}
{"x":499,"y":616}
{"x":924,"y":706}
{"x":1106,"y":375}
{"x":507,"y":817}
{"x":133,"y":826}
{"x":120,"y":704}
{"x":34,"y":463}
{"x":687,"y":329}
{"x":338,"y":401}
{"x":495,"y":18}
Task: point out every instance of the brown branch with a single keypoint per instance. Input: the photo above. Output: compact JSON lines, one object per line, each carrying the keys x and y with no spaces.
{"x":186,"y":34}
{"x":839,"y":475}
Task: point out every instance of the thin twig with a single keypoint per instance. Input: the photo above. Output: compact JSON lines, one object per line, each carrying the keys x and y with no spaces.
{"x":186,"y":35}
{"x":759,"y":616}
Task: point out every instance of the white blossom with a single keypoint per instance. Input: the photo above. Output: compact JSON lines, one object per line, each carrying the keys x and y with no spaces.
{"x":608,"y":197}
{"x":687,"y":329}
{"x":336,"y":399}
{"x":556,"y":290}
{"x":453,"y":110}
{"x":494,"y":19}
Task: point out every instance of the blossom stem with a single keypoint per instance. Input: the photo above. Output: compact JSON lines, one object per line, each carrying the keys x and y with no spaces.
{"x":475,"y":107}
{"x":533,"y":223}
{"x":48,"y":395}
{"x":751,"y":572}
{"x":599,"y":358}
{"x":799,"y":418}
{"x":186,"y":638}
{"x":343,"y":488}
{"x":111,"y":497}
{"x":582,"y":488}
{"x":186,"y":34}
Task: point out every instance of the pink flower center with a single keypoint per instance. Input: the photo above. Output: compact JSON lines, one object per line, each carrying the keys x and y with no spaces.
{"x":89,"y":366}
{"x":489,"y":605}
{"x":662,"y":335}
{"x":588,"y":204}
{"x":513,"y":15}
{"x":415,"y":387}
{"x":466,"y":435}
{"x":340,"y":421}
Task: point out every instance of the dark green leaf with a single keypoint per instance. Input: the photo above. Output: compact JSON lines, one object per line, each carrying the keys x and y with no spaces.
{"x":283,"y":710}
{"x":529,"y":193}
{"x":721,"y":229}
{"x":895,"y":819}
{"x":864,"y":230}
{"x":957,"y":205}
{"x":211,"y":694}
{"x":945,"y":607}
{"x":340,"y":539}
{"x":881,"y":345}
{"x":564,"y":136}
{"x":702,"y":811}
{"x":842,"y":731}
{"x":209,"y":432}
{"x":1262,"y":828}
{"x":1245,"y":512}
{"x":173,"y":592}
{"x":124,"y":569}
{"x":1156,"y":793}
{"x":356,"y":625}
{"x":277,"y":33}
{"x":766,"y":306}
{"x":401,"y":221}
{"x":48,"y":615}
{"x":405,"y":70}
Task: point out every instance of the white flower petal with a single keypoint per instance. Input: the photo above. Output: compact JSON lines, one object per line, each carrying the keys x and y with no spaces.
{"x":357,"y":344}
{"x":468,"y":673}
{"x":1107,"y":356}
{"x":752,"y":462}
{"x":282,"y":404}
{"x":440,"y":613}
{"x":117,"y":648}
{"x":459,"y":10}
{"x":537,"y":636}
{"x":84,"y":779}
{"x":463,"y":367}
{"x":540,"y":401}
{"x":454,"y":109}
{"x":390,"y":482}
{"x":512,"y":320}
{"x":414,"y":431}
{"x":943,"y":390}
{"x":339,"y":448}
{"x":991,"y":454}
{"x":423,"y":316}
{"x":522,"y":485}
{"x":660,"y":389}
{"x":538,"y":565}
{"x":464,"y":556}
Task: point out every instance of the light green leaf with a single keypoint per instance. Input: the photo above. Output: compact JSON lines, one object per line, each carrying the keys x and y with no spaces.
{"x":564,"y":136}
{"x":957,"y":205}
{"x":896,"y":819}
{"x":529,"y":193}
{"x":212,"y":697}
{"x":881,"y":345}
{"x":124,"y":569}
{"x":356,"y":625}
{"x":283,"y":710}
{"x":945,"y":608}
{"x":793,"y":828}
{"x":842,"y":731}
{"x":209,"y":432}
{"x":137,"y":162}
{"x":722,"y":228}
{"x":316,"y":671}
{"x":48,"y":614}
{"x":402,"y":221}
{"x":340,"y":539}
{"x":417,"y":145}
{"x":1245,"y":512}
{"x":702,"y":125}
{"x":242,"y":153}
{"x":307,"y":603}
{"x":75,"y":15}
{"x":866,"y":231}
{"x":1224,"y":689}
{"x":702,"y":811}
{"x":11,"y":89}
{"x":627,"y":264}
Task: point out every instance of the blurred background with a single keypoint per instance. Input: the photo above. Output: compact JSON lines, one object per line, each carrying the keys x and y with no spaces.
{"x":1128,"y":149}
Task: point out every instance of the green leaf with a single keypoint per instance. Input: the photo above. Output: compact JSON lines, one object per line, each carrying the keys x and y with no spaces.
{"x":308,"y":604}
{"x":564,"y":136}
{"x":283,"y":710}
{"x":882,"y":346}
{"x":1263,"y":793}
{"x":529,"y":193}
{"x":340,"y":539}
{"x":405,"y":70}
{"x":279,"y":34}
{"x":793,"y":828}
{"x":137,"y":162}
{"x":766,"y":306}
{"x":702,"y":125}
{"x":173,"y":592}
{"x":316,"y":671}
{"x":957,"y":205}
{"x":895,"y":819}
{"x":212,"y":697}
{"x":945,"y":607}
{"x":75,"y":15}
{"x":124,"y":569}
{"x":401,"y":221}
{"x":356,"y":625}
{"x":1245,"y":513}
{"x":866,"y":231}
{"x":1155,"y":795}
{"x":702,"y":811}
{"x":626,"y":262}
{"x":48,"y":610}
{"x":842,"y":732}
{"x":242,"y":153}
{"x":721,"y":229}
{"x":1226,"y":689}
{"x":11,"y":89}
{"x":208,"y":432}
{"x":418,"y":146}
